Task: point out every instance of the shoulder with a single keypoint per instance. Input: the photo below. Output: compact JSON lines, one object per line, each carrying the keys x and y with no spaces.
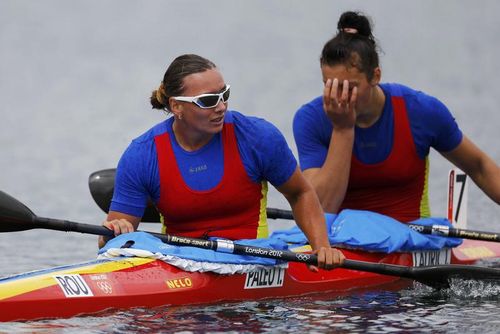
{"x":258,"y":137}
{"x":245,"y":121}
{"x":415,"y":100}
{"x":149,"y":135}
{"x":314,"y":104}
{"x":431,"y":121}
{"x":144,"y":147}
{"x":147,"y":139}
{"x":311,"y":110}
{"x":310,"y":119}
{"x":311,"y":125}
{"x":264,"y":150}
{"x":253,"y":128}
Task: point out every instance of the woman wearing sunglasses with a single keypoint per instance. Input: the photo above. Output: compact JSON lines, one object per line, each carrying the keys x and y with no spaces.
{"x":206,"y":168}
{"x":365,"y":145}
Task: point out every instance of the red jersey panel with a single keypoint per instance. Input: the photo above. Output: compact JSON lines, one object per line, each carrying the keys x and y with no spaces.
{"x":232,"y":209}
{"x":397,"y":186}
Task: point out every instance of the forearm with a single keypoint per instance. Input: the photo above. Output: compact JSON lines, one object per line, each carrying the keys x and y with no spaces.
{"x":487,"y":177}
{"x":482,"y":169}
{"x":310,"y":218}
{"x":331,"y":180}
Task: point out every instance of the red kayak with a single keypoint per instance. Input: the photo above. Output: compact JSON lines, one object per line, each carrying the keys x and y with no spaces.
{"x":144,"y":282}
{"x":127,"y":282}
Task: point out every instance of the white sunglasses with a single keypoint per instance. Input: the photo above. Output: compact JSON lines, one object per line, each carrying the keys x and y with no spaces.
{"x":206,"y":101}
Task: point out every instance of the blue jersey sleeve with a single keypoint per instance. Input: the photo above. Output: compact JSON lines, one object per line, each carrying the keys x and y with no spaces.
{"x":137,"y":178}
{"x":432,"y":124}
{"x":130,"y":196}
{"x":312,"y":131}
{"x":264,"y":150}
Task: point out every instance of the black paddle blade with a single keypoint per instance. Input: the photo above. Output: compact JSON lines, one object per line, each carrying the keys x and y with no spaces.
{"x":440,"y":276}
{"x":14,"y":215}
{"x":102,"y":184}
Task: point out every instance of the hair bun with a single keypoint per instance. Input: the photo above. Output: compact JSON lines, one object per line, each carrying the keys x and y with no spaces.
{"x":352,"y":22}
{"x":156,"y":100}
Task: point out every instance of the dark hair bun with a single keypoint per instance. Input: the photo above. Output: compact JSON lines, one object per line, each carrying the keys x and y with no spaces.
{"x":155,"y":103}
{"x":355,"y":20}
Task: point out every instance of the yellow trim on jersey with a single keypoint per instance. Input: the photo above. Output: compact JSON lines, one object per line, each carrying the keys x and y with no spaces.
{"x":163,"y":225}
{"x":31,"y":283}
{"x":263,"y":229}
{"x":425,"y":210}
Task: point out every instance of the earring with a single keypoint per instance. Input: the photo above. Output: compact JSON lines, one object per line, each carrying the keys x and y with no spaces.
{"x":179,"y":116}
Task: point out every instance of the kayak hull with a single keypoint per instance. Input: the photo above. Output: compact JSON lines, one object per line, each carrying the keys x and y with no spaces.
{"x":123,"y":283}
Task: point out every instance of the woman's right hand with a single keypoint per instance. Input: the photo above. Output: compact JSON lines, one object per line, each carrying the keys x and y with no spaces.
{"x":119,"y":223}
{"x":119,"y":226}
{"x":340,"y":106}
{"x":328,"y":259}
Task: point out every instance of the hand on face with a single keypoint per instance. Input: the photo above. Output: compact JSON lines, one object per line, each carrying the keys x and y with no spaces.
{"x":328,"y":258}
{"x":339,"y":103}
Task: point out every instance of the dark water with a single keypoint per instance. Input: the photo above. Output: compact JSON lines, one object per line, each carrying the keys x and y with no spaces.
{"x":74,"y":82}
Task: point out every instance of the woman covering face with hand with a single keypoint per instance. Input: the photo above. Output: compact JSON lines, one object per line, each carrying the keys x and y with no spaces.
{"x":206,"y":168}
{"x":365,"y":145}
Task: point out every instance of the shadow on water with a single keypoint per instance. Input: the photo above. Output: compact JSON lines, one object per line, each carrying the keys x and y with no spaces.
{"x":467,"y":306}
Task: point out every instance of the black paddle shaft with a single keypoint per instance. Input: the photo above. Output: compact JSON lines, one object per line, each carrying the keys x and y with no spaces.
{"x":15,"y":216}
{"x":436,"y":276}
{"x":446,"y":231}
{"x":227,"y":246}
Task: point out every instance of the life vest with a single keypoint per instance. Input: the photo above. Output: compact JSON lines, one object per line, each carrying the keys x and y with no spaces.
{"x":396,"y":187}
{"x":233,"y":209}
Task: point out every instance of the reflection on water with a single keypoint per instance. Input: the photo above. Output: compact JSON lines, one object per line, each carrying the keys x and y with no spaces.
{"x":468,"y":306}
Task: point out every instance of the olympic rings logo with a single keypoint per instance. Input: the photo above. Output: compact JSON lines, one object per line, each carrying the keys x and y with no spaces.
{"x":417,"y":228}
{"x":303,"y":257}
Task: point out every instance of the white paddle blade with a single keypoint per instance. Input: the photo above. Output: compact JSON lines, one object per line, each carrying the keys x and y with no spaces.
{"x":458,"y":188}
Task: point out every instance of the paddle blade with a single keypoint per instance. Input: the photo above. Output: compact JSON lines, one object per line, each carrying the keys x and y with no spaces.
{"x":14,"y":215}
{"x":101,"y":185}
{"x":441,"y":276}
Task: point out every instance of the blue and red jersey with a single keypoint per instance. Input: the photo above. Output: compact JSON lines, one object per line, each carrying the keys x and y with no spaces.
{"x":218,"y":190}
{"x":389,"y":166}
